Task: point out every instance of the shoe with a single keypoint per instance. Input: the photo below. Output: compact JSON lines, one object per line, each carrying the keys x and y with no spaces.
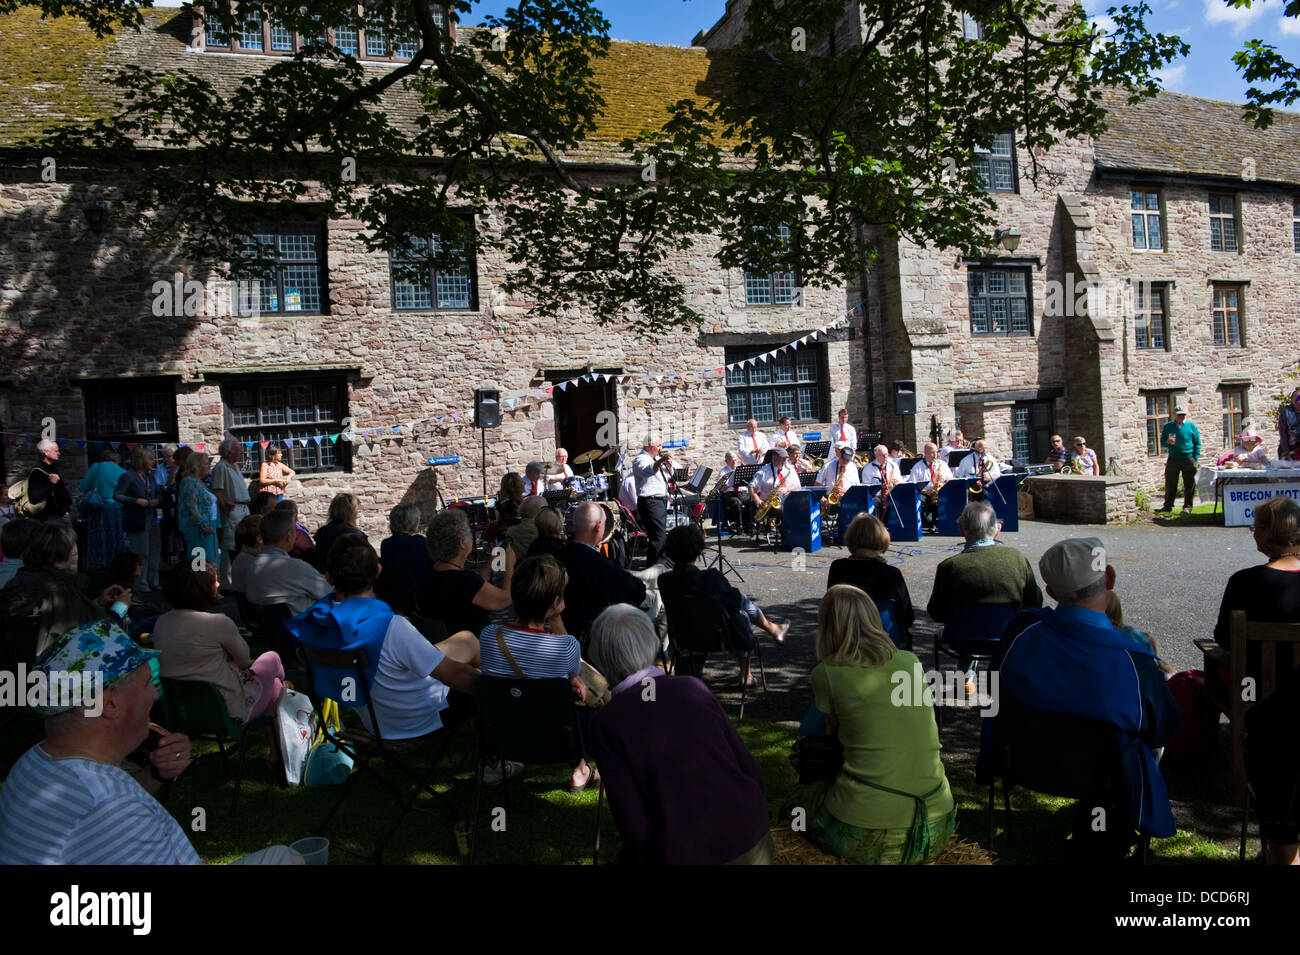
{"x":593,"y":777}
{"x":781,"y":631}
{"x":1187,"y":510}
{"x":1162,"y":510}
{"x":493,"y":773}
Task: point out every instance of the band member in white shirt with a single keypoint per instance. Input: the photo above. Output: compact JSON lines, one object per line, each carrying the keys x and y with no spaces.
{"x":843,"y":431}
{"x":882,"y":469}
{"x":652,"y":468}
{"x":785,"y":434}
{"x":777,"y":475}
{"x":560,"y":471}
{"x":752,"y":443}
{"x":980,"y":465}
{"x":534,"y":482}
{"x":841,"y":464}
{"x":928,"y":475}
{"x":956,"y":442}
{"x":627,"y":492}
{"x":797,"y":460}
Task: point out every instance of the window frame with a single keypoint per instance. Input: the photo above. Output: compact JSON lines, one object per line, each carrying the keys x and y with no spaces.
{"x":257,"y":432}
{"x":971,"y":29}
{"x":1295,"y":225}
{"x":771,"y":280}
{"x":1015,"y":170}
{"x":233,"y":45}
{"x":1170,"y":400}
{"x":1146,"y":215}
{"x":471,"y":266}
{"x":294,"y":227}
{"x":1229,"y":412}
{"x":1234,"y":217}
{"x":1239,"y":309}
{"x":994,"y":266}
{"x":820,"y":384}
{"x":95,"y":391}
{"x":1138,"y":310}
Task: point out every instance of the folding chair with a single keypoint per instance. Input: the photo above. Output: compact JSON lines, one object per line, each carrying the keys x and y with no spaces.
{"x":329,"y":670}
{"x":249,"y":615}
{"x":271,"y":621}
{"x":698,"y":626}
{"x":971,"y":632}
{"x":1058,"y":755}
{"x":889,"y":622}
{"x":198,"y":710}
{"x":528,"y":721}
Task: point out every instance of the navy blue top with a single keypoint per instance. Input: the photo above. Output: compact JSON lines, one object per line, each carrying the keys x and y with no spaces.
{"x":408,"y":552}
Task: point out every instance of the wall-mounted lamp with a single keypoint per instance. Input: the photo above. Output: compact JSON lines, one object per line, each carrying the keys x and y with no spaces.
{"x":1008,"y":239}
{"x":96,"y":215}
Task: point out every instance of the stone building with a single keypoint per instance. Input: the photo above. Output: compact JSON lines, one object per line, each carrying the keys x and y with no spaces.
{"x":96,"y":335}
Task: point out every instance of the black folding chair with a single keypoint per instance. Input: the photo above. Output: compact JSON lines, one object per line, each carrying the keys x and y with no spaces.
{"x":329,"y":669}
{"x":697,"y":626}
{"x":271,"y":621}
{"x":527,"y":721}
{"x":1058,"y":755}
{"x":198,"y":710}
{"x":249,"y":615}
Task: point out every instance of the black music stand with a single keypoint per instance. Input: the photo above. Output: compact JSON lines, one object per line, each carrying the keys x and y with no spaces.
{"x":955,"y":458}
{"x":817,"y":449}
{"x":905,"y":466}
{"x":739,"y":478}
{"x":867,"y":441}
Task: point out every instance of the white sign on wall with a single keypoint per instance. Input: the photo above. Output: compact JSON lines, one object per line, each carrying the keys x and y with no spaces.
{"x":1240,"y":500}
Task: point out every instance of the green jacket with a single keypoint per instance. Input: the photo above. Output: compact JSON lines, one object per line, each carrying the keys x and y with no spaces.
{"x":984,"y":575}
{"x":1187,"y":442}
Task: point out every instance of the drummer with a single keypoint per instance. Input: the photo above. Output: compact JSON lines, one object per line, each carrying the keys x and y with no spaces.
{"x":560,"y":471}
{"x":533,"y":483}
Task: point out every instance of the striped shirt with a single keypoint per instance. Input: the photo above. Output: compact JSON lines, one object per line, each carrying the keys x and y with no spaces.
{"x":539,"y":654}
{"x":75,"y":811}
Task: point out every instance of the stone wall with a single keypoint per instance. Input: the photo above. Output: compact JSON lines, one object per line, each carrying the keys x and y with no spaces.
{"x":1081,"y":499}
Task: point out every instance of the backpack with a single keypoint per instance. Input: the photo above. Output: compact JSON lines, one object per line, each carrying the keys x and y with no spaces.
{"x":23,"y":506}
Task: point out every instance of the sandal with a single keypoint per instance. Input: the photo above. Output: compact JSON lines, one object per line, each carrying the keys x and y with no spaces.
{"x":592,"y":777}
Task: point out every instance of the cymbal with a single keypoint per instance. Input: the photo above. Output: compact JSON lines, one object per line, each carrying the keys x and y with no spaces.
{"x":588,"y":456}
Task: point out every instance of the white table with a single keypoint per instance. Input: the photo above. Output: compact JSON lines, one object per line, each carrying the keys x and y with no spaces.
{"x":1226,"y":485}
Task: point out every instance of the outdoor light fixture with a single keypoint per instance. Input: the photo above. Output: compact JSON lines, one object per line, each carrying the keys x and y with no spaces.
{"x":96,"y":215}
{"x":1009,"y":239}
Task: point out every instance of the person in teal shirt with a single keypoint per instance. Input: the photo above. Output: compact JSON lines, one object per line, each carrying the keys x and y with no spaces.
{"x":105,"y":538}
{"x":1184,"y":443}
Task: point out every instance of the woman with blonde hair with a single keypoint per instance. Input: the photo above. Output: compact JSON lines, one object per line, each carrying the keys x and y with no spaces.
{"x":196,"y":509}
{"x":342,"y":520}
{"x":889,"y":802}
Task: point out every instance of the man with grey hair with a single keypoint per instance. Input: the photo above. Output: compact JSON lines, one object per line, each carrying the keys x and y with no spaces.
{"x":45,"y":485}
{"x":648,"y":468}
{"x":1071,"y":662}
{"x":595,"y":581}
{"x":231,"y":489}
{"x":985,"y":572}
{"x":275,"y":577}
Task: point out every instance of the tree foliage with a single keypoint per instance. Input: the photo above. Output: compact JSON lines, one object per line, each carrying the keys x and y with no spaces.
{"x":848,"y":145}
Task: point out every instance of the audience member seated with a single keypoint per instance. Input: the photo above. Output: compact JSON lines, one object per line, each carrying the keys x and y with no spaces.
{"x":682,"y":786}
{"x":535,"y":645}
{"x":520,"y":537}
{"x":1115,"y":614}
{"x":1059,"y":456}
{"x":248,"y":543}
{"x":462,"y":599}
{"x":14,"y":538}
{"x":342,"y":520}
{"x":1070,"y":660}
{"x":47,"y":598}
{"x":276,"y":578}
{"x":404,"y":555}
{"x":509,"y":497}
{"x":1248,"y":453}
{"x":683,"y":547}
{"x":67,"y":801}
{"x":197,"y":643}
{"x":1268,"y":593}
{"x":595,"y":581}
{"x":304,"y":548}
{"x":889,"y":803}
{"x":1083,"y":459}
{"x":550,"y":534}
{"x":985,"y":572}
{"x":867,"y":540}
{"x":416,"y":687}
{"x":1272,"y":753}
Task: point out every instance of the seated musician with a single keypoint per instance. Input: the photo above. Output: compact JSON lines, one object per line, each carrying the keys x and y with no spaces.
{"x":727,"y":476}
{"x":840,"y":470}
{"x":929,"y":474}
{"x":882,"y":469}
{"x":956,"y":442}
{"x":752,"y":444}
{"x":785,"y":434}
{"x":560,"y":471}
{"x":534,"y":483}
{"x":627,"y":492}
{"x":775,"y":475}
{"x":797,"y":460}
{"x":898,"y":451}
{"x":981,"y":465}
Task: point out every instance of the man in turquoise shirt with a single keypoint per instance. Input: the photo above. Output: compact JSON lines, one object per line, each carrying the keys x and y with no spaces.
{"x":1184,"y":443}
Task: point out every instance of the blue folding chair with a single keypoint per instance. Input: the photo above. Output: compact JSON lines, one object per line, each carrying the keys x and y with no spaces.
{"x":889,"y":622}
{"x":972,"y":633}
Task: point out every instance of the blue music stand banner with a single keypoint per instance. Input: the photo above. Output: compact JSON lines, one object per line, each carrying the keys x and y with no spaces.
{"x":801,"y":516}
{"x":952,"y":498}
{"x":904,"y":518}
{"x":853,"y":502}
{"x":1002,"y":494}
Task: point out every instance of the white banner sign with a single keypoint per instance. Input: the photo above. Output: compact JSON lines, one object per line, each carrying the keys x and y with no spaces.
{"x":1240,"y":500}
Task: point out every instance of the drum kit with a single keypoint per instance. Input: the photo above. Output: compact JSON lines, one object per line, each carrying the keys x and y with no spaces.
{"x":592,"y":486}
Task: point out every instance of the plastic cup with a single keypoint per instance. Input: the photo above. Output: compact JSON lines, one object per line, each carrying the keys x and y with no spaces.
{"x":315,"y":850}
{"x":462,"y":838}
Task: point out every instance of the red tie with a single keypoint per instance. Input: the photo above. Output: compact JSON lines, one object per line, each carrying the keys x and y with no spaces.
{"x":754,"y":438}
{"x":931,"y":473}
{"x":841,"y":432}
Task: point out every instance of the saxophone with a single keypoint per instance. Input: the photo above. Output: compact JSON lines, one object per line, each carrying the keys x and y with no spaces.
{"x":976,"y":490}
{"x":770,"y":501}
{"x":838,"y":489}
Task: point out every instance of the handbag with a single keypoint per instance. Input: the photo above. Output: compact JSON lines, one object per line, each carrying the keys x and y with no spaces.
{"x":295,"y":722}
{"x":327,"y":764}
{"x":817,"y":758}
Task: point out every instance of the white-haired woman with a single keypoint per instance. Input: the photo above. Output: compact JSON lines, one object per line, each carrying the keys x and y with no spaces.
{"x":461,"y":599}
{"x":682,"y":786}
{"x":45,"y":488}
{"x":889,"y":803}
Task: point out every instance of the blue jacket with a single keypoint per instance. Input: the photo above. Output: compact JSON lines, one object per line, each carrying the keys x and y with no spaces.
{"x":357,"y":623}
{"x":1073,"y":661}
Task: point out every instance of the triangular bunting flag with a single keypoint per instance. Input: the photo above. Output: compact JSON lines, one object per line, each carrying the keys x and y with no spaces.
{"x":116,"y":444}
{"x":264,"y":444}
{"x":317,"y":438}
{"x":288,"y":442}
{"x":510,"y":402}
{"x":562,"y":385}
{"x":334,"y":439}
{"x":303,"y":442}
{"x":455,"y":416}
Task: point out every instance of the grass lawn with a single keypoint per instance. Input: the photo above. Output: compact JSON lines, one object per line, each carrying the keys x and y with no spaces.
{"x":545,"y":823}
